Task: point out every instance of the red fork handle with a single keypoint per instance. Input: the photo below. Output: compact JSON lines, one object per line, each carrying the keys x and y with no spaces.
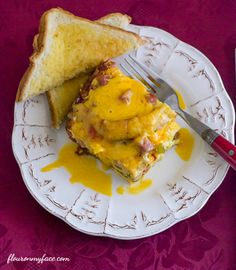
{"x":223,"y":147}
{"x":226,"y":150}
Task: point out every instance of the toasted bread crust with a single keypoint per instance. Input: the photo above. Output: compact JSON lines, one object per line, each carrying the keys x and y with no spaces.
{"x":35,"y":42}
{"x":40,"y":41}
{"x":52,"y":108}
{"x":28,"y":72}
{"x":43,"y":29}
{"x":112,"y":15}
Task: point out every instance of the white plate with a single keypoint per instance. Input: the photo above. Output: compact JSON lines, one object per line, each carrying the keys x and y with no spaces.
{"x":180,"y":188}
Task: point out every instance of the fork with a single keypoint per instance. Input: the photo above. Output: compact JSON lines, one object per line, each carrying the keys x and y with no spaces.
{"x":166,"y":94}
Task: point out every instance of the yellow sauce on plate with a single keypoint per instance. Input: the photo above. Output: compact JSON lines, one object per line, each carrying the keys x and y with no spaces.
{"x":135,"y":188}
{"x":83,"y":169}
{"x":181,"y":100}
{"x":186,"y":143}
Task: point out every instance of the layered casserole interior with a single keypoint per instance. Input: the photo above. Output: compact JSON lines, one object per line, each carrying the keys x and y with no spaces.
{"x":119,"y":121}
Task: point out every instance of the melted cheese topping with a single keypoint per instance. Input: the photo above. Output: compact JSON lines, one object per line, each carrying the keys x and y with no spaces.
{"x":120,"y":150}
{"x":82,"y":169}
{"x":106,"y":102}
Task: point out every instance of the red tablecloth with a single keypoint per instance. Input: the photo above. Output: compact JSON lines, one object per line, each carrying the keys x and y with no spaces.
{"x":205,"y":241}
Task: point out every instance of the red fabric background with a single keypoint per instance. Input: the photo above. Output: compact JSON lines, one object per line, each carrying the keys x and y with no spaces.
{"x":205,"y":241}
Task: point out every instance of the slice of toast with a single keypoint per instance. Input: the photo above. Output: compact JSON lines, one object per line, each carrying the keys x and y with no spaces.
{"x":114,"y":19}
{"x":69,"y":45}
{"x":60,"y":99}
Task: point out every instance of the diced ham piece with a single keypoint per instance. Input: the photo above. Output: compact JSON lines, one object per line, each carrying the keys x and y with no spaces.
{"x":126,"y":96}
{"x":105,"y":65}
{"x":79,"y":100}
{"x":103,"y":79}
{"x":151,"y":98}
{"x":92,"y":132}
{"x":146,"y":145}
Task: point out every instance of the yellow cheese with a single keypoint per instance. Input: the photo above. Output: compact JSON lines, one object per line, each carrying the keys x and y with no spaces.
{"x":106,"y":102}
{"x":119,"y":150}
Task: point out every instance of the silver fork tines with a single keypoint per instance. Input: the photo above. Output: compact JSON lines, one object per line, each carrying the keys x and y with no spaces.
{"x":156,"y":80}
{"x":138,"y":73}
{"x":128,"y":72}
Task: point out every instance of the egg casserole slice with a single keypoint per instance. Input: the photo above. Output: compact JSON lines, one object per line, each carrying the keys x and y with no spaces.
{"x":120,"y":122}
